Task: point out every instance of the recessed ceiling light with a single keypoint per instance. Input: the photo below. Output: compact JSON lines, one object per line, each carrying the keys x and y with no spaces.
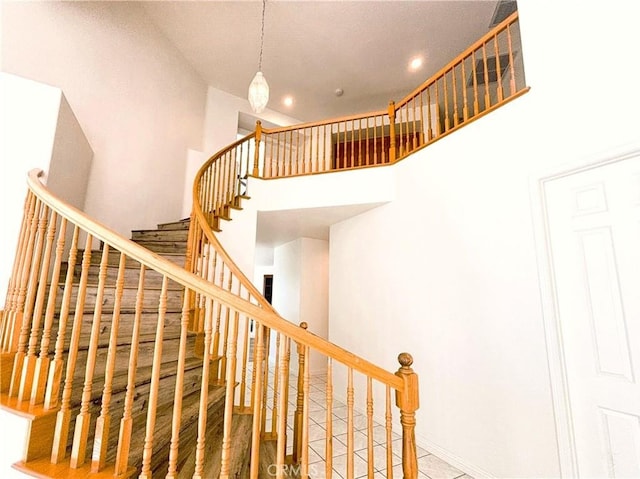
{"x":288,"y":101}
{"x":415,"y":64}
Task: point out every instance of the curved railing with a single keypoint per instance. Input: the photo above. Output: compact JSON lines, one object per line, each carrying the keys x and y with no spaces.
{"x":229,"y":338}
{"x":483,"y":77}
{"x":97,"y":399}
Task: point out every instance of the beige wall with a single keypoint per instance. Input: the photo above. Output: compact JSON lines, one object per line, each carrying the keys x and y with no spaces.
{"x":140,"y":104}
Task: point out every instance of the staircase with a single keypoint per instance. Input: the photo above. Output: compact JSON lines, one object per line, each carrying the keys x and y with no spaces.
{"x":137,"y":320}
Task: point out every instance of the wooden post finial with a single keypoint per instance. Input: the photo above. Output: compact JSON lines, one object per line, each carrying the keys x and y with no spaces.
{"x":256,"y":158}
{"x":408,"y":402}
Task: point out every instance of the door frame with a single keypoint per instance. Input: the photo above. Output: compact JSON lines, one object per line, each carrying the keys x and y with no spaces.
{"x":549,"y":301}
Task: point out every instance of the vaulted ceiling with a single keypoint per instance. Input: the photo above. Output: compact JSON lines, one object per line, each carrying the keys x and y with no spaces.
{"x":312,"y":48}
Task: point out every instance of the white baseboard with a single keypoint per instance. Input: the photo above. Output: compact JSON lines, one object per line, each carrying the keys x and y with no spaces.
{"x":452,"y":459}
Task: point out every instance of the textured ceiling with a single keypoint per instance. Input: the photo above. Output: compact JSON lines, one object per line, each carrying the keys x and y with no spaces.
{"x":313,"y":47}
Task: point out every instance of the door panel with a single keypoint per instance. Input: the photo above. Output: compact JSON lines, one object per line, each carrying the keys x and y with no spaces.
{"x":594,"y":230}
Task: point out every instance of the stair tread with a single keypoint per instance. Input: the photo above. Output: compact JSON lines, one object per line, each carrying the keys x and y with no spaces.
{"x":44,"y":468}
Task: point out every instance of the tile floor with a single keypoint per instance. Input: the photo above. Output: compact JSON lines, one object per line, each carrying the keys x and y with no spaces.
{"x":429,"y":466}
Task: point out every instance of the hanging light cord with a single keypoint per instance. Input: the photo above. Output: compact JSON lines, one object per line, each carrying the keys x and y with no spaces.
{"x":264,"y":3}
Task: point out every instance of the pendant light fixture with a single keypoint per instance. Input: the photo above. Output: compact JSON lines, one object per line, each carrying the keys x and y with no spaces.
{"x":259,"y":89}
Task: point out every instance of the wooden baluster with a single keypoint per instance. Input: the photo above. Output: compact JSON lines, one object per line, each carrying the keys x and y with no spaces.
{"x":225,"y":345}
{"x":366,"y":157}
{"x":417,"y":133}
{"x":498,"y":68}
{"x":329,"y":421}
{"x":447,"y":124}
{"x":314,"y":159}
{"x":429,"y":120}
{"x":407,"y":401}
{"x":388,"y":421}
{"x":392,"y":132}
{"x":283,"y":371}
{"x":55,"y":369}
{"x":456,"y":120}
{"x":147,"y":451}
{"x":103,"y":423}
{"x":265,"y":381}
{"x":297,"y":419}
{"x":315,"y":165}
{"x":26,"y":295}
{"x":219,"y":189}
{"x":238,"y":154}
{"x":256,"y":158}
{"x":245,"y":360}
{"x":360,"y":142}
{"x":304,"y":454}
{"x":258,"y":408}
{"x":63,"y":418}
{"x":422,"y":134}
{"x":216,"y":378}
{"x":126,"y":423}
{"x":229,"y":397}
{"x":205,"y":190}
{"x":370,"y":459}
{"x":404,"y":130}
{"x":350,"y":438}
{"x":487,"y":97}
{"x":276,"y":390}
{"x":271,"y":162}
{"x":43,"y":361}
{"x":439,"y":128}
{"x":204,"y":394}
{"x":278,"y":159}
{"x":191,"y":247}
{"x":290,"y":153}
{"x":83,"y":419}
{"x":231,"y":178}
{"x":211,"y":192}
{"x":465,"y":103}
{"x":8,"y":339}
{"x":337,"y":162}
{"x":297,"y":162}
{"x":476,"y":100}
{"x":214,"y":191}
{"x":29,"y":379}
{"x":375,"y":139}
{"x":512,"y":71}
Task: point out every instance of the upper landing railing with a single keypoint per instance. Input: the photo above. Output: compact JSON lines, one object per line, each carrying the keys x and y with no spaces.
{"x":482,"y":78}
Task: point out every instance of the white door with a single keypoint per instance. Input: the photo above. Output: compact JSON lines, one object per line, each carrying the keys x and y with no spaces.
{"x":594,"y":239}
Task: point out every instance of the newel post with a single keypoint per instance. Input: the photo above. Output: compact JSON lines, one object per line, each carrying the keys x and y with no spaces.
{"x":256,"y":158}
{"x":392,"y":131}
{"x":408,"y":402}
{"x":297,"y":418}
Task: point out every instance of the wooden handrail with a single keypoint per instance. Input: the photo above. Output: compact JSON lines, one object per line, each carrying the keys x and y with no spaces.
{"x":268,"y":317}
{"x":302,"y":126}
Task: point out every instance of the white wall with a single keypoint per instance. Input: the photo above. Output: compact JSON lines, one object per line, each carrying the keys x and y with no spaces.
{"x":448,"y":270}
{"x":139,"y":102}
{"x":314,"y":295}
{"x":300,"y":289}
{"x":39,"y":130}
